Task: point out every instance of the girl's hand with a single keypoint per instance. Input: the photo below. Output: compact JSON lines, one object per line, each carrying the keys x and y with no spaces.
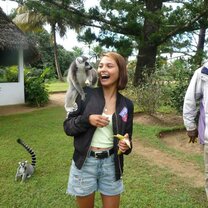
{"x":122,"y":144}
{"x":98,"y":120}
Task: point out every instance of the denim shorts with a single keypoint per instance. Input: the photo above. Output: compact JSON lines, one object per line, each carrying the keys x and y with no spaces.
{"x":95,"y":175}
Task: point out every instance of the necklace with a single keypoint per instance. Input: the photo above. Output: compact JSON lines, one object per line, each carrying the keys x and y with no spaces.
{"x":109,"y":104}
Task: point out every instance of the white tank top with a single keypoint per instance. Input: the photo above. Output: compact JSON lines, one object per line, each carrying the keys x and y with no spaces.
{"x":103,"y":137}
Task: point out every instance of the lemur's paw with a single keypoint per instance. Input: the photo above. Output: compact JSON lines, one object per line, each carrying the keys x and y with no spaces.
{"x":83,"y":96}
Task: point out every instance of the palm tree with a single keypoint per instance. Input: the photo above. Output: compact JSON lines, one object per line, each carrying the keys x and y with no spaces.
{"x":31,"y":21}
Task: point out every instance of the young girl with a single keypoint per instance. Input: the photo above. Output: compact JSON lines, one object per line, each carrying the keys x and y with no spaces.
{"x":96,"y":164}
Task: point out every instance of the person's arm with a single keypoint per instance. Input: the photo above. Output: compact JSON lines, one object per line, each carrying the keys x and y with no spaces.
{"x":76,"y":122}
{"x":129,"y":130}
{"x":193,"y":93}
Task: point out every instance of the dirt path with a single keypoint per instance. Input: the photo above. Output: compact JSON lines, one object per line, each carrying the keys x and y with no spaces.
{"x":188,"y":171}
{"x":55,"y":99}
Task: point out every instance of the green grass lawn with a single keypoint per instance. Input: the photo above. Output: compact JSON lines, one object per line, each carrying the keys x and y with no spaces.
{"x":57,"y":86}
{"x":146,"y":186}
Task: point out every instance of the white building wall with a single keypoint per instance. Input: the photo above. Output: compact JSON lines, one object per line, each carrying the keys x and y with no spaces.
{"x":12,"y":93}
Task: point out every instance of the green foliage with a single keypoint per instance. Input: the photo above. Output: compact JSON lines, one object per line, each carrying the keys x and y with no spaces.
{"x":35,"y":88}
{"x":179,"y":74}
{"x":35,"y":92}
{"x":34,"y":15}
{"x":48,"y":73}
{"x":165,"y":89}
{"x":178,"y":94}
{"x":129,"y":26}
{"x":45,"y":48}
{"x":9,"y":74}
{"x":88,"y":37}
{"x":130,"y":91}
{"x":76,"y":51}
{"x":149,"y":94}
{"x":97,"y":51}
{"x":65,"y":58}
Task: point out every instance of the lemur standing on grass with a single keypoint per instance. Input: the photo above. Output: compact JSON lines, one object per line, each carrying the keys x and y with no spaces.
{"x":80,"y":74}
{"x":25,"y":170}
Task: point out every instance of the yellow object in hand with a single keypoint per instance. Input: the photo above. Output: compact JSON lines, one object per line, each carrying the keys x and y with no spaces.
{"x":121,"y":137}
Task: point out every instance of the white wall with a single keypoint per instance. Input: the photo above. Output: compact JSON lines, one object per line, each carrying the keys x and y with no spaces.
{"x":12,"y":93}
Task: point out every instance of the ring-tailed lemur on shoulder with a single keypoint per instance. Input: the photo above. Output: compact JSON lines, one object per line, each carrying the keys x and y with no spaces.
{"x":25,"y":170}
{"x":80,"y":74}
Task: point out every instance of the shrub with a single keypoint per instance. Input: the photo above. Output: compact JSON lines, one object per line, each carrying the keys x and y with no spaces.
{"x":35,"y":89}
{"x":178,"y":94}
{"x":9,"y":74}
{"x":181,"y":76}
{"x":166,"y":87}
{"x":149,"y":94}
{"x":148,"y":98}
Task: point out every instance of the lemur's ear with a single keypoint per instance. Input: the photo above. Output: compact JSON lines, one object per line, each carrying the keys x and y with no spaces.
{"x":79,"y":59}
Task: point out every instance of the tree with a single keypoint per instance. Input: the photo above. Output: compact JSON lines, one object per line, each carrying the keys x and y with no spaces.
{"x":77,"y":51}
{"x":198,"y":58}
{"x":144,"y":25}
{"x":44,"y":46}
{"x":199,"y":55}
{"x":150,"y":23}
{"x":42,"y":40}
{"x":31,"y":18}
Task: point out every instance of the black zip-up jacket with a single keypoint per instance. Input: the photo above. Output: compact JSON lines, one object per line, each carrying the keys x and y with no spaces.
{"x":77,"y":125}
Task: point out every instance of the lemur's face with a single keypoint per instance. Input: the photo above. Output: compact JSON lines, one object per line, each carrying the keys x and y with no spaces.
{"x":82,"y":63}
{"x":22,"y":166}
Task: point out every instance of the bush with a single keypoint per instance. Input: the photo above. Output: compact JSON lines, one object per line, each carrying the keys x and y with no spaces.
{"x":181,"y":76}
{"x":178,"y":94}
{"x":9,"y":74}
{"x":35,"y":89}
{"x":166,"y":87}
{"x":149,"y":94}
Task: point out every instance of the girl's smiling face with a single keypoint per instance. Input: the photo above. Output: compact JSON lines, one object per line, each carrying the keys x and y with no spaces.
{"x":108,"y":72}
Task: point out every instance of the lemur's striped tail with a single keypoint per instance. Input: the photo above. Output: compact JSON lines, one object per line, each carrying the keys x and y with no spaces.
{"x":32,"y":153}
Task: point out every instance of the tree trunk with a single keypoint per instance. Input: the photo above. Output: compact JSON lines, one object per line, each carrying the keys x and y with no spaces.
{"x":58,"y":70}
{"x":198,"y":57}
{"x":145,"y":63}
{"x":146,"y":58}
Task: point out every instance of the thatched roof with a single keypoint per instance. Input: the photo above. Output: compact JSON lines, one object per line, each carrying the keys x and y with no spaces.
{"x":12,"y":38}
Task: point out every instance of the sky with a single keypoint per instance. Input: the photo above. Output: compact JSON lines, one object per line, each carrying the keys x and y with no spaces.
{"x":68,"y":41}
